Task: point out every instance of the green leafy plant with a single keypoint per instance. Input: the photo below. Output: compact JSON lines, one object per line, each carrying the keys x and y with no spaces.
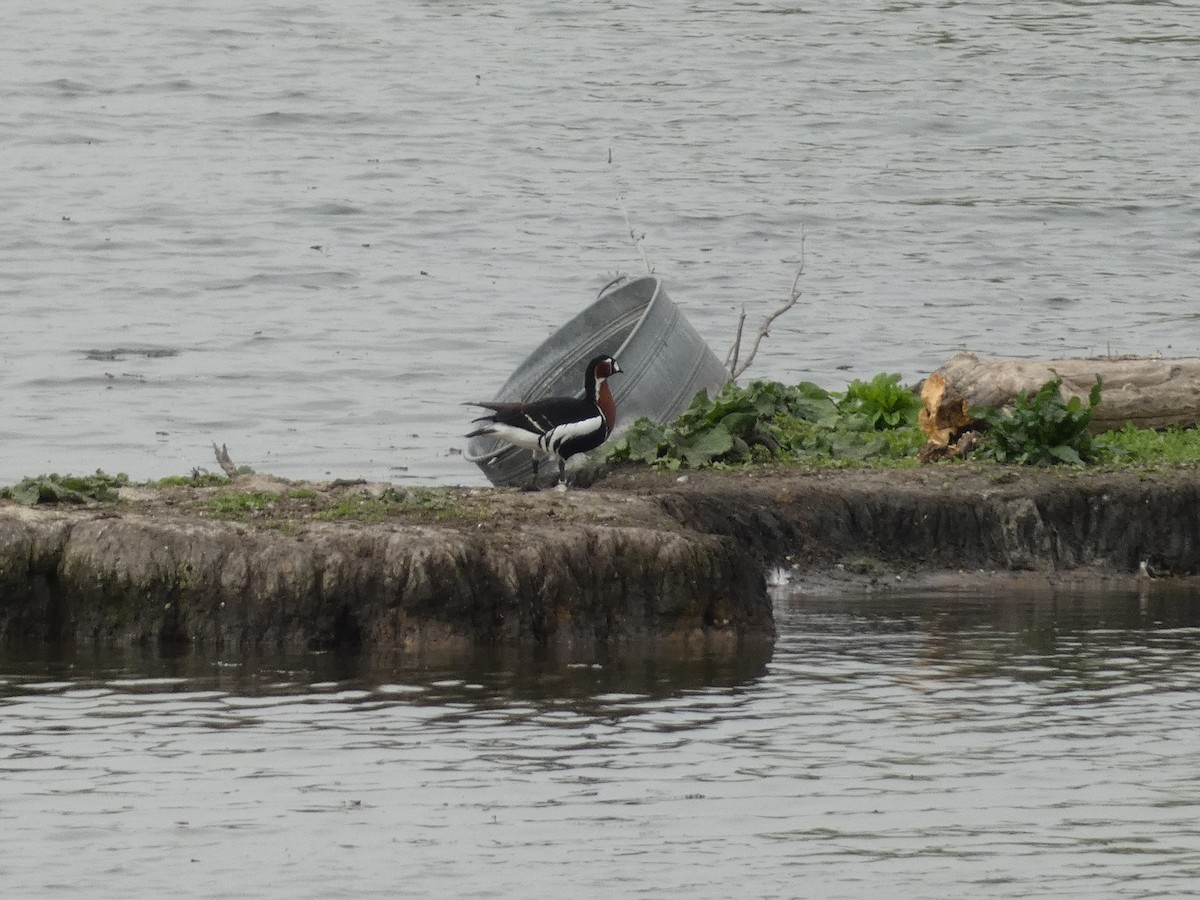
{"x":198,"y":478}
{"x":1042,"y":429}
{"x":768,"y":421}
{"x":54,"y":488}
{"x":882,"y":401}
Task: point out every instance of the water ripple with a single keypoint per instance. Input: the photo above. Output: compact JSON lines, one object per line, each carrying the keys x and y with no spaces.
{"x":921,"y":744}
{"x":958,"y":169}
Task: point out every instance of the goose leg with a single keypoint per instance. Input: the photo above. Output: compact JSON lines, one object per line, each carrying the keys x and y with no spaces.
{"x":533,"y":485}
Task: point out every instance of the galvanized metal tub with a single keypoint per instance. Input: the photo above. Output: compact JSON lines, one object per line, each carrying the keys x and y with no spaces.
{"x":663,"y":359}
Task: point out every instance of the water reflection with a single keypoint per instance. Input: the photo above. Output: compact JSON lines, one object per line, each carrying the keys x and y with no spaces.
{"x":1028,"y":635}
{"x":967,"y":745}
{"x":495,"y":674}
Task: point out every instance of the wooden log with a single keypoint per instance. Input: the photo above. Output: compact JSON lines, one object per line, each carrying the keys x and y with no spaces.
{"x":945,"y":413}
{"x":1149,"y":392}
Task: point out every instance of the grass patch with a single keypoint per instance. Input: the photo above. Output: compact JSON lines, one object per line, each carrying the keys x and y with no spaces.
{"x":1173,"y":446}
{"x":291,"y":529}
{"x":441,"y":503}
{"x":360,"y":508}
{"x":239,"y":504}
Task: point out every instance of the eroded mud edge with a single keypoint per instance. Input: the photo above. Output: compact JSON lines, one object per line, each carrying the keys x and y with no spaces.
{"x":639,"y":557}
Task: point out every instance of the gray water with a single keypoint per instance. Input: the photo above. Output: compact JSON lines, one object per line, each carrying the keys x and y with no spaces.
{"x":909,"y":746}
{"x":310,"y":231}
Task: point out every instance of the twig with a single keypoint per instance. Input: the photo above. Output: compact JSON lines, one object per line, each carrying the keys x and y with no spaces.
{"x":224,"y":461}
{"x":731,"y":358}
{"x":737,"y":369}
{"x":637,"y":241}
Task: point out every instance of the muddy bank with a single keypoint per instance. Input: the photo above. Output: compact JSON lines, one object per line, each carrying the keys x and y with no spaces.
{"x":955,"y":517}
{"x":640,"y":556}
{"x":269,"y":563}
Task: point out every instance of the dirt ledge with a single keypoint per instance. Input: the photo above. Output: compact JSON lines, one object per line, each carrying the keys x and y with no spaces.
{"x":642,"y":555}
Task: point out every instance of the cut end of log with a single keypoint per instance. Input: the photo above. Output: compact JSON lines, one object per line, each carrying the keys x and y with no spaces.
{"x":945,"y":415}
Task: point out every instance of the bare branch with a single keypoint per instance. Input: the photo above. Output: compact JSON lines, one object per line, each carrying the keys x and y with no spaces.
{"x":731,"y":358}
{"x":764,"y":330}
{"x":637,"y":241}
{"x":224,"y":461}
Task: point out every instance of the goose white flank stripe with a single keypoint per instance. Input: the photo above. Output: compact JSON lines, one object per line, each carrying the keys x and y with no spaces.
{"x":557,"y":427}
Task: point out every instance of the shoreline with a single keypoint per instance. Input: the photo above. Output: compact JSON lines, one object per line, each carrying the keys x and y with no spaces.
{"x":642,"y":556}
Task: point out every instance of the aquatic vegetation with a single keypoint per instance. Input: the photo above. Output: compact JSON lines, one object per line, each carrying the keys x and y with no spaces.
{"x":54,"y":488}
{"x":1042,"y":429}
{"x":767,"y":421}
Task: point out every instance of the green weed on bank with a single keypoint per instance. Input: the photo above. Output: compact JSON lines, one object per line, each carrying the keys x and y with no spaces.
{"x":1173,"y":446}
{"x":54,"y":488}
{"x":870,"y":423}
{"x":1041,"y":429}
{"x":770,"y":422}
{"x":875,"y":423}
